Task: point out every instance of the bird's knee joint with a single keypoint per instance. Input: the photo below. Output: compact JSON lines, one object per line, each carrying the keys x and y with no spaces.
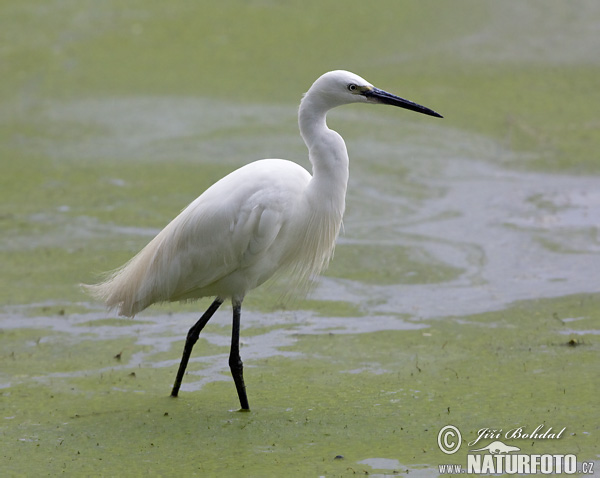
{"x":235,"y":363}
{"x":192,"y":337}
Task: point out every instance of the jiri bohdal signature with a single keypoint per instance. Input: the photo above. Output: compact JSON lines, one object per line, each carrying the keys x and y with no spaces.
{"x":518,"y":433}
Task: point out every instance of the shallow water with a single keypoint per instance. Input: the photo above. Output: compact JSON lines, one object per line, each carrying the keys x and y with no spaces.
{"x":464,"y":288}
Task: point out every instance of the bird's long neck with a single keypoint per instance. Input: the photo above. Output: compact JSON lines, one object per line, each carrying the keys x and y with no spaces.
{"x":326,"y":150}
{"x":325,"y":194}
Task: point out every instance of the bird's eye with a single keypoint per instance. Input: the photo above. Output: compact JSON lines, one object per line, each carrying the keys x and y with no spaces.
{"x":352,"y":87}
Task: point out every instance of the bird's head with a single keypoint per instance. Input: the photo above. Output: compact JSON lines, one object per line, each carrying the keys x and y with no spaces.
{"x":340,"y":87}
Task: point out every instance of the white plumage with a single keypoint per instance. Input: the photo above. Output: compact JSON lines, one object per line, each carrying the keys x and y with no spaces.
{"x":230,"y":240}
{"x":267,"y":217}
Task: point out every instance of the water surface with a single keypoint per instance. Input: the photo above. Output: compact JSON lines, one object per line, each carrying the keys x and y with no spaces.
{"x":464,"y":288}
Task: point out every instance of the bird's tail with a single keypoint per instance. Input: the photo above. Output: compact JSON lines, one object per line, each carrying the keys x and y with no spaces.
{"x":128,"y":288}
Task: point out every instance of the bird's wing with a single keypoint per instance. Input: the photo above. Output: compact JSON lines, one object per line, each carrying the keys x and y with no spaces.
{"x":238,"y":225}
{"x":255,"y":231}
{"x":234,"y":225}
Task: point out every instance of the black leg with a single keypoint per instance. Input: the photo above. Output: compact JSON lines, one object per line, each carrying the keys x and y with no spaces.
{"x":192,"y":338}
{"x":235,"y":361}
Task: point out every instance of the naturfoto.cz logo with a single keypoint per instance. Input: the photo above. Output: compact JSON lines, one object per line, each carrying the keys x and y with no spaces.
{"x":498,"y":457}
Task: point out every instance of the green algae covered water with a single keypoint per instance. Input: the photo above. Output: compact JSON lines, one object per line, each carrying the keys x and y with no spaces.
{"x":464,"y":288}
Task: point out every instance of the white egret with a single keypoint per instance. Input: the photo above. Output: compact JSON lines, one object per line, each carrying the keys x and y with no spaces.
{"x":266,"y":217}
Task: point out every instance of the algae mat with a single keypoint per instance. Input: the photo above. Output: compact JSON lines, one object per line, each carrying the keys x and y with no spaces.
{"x":464,"y":290}
{"x":95,"y":401}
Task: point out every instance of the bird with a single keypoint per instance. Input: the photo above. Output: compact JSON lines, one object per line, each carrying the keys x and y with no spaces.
{"x":268,"y":217}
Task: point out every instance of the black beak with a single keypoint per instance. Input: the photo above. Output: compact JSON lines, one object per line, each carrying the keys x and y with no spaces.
{"x":379,"y":96}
